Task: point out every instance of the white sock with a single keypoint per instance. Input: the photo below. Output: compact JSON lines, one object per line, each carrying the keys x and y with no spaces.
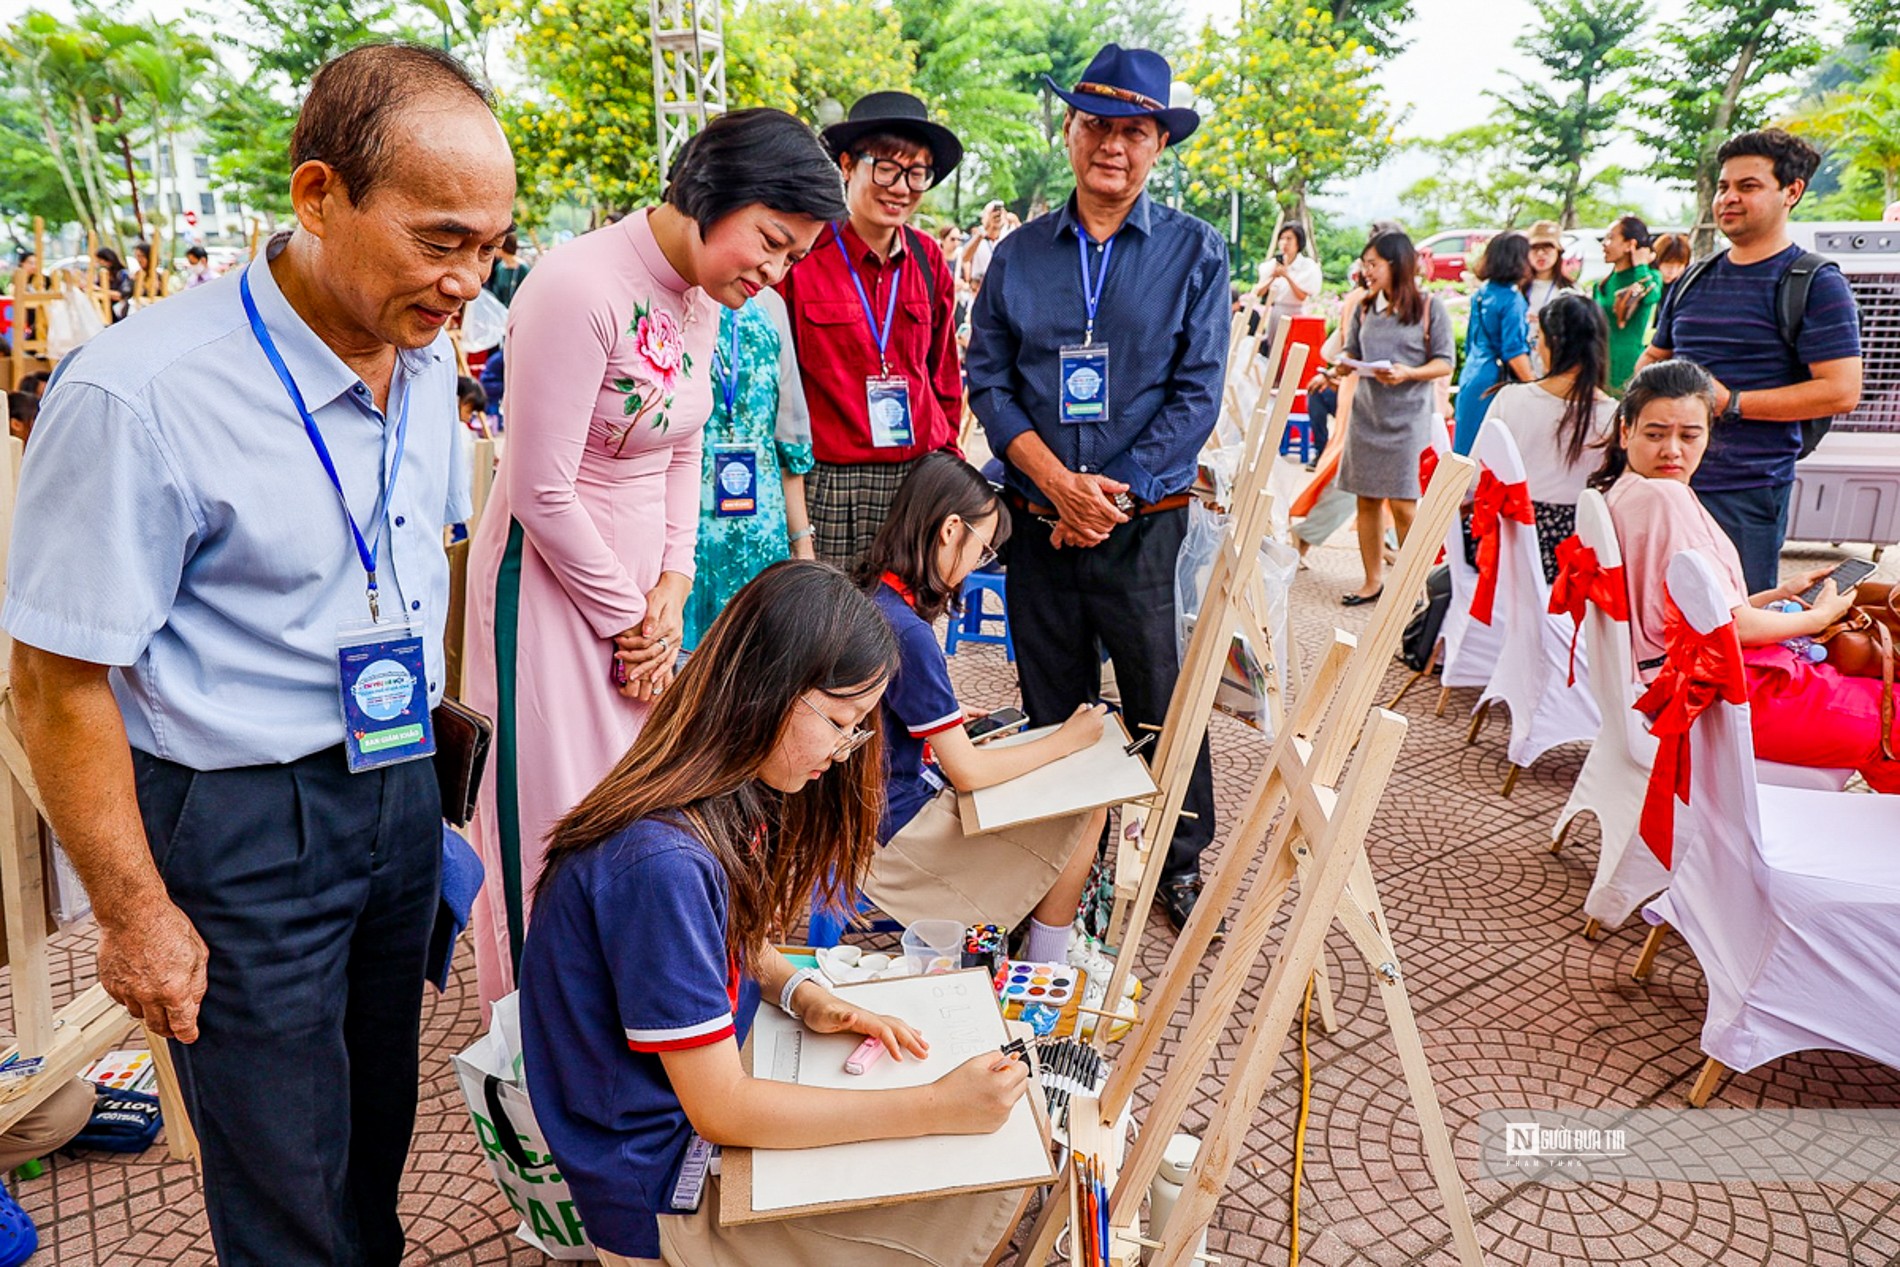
{"x":1046,"y":944}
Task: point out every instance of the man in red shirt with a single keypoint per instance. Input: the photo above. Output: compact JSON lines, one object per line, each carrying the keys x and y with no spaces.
{"x":873,"y":320}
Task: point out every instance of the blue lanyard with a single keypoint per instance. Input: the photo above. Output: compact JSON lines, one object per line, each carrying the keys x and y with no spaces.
{"x":882,"y":337}
{"x":728,"y":376}
{"x":1091,"y":296}
{"x":366,"y":551}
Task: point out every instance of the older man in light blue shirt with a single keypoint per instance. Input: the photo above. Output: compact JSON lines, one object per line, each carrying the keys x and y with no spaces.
{"x":184,"y":565}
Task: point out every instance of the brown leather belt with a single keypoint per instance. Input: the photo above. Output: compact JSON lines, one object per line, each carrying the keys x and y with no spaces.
{"x":1173,"y":501}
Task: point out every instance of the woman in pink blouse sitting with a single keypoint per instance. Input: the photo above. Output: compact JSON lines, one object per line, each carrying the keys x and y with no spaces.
{"x":1802,"y":713}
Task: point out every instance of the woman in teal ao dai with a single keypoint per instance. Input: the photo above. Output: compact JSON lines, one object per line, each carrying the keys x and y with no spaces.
{"x":758,"y":441}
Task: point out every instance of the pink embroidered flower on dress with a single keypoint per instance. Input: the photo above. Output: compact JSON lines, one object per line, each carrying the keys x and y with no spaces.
{"x":660,"y":344}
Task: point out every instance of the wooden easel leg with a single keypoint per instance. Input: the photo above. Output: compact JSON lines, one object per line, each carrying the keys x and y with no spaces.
{"x":1591,"y":929}
{"x":23,"y":898}
{"x":1510,"y":781}
{"x":1713,"y":1071}
{"x":1444,"y":697}
{"x":1323,"y":990}
{"x":180,"y":1139}
{"x":1439,"y":1154}
{"x":1646,"y":961}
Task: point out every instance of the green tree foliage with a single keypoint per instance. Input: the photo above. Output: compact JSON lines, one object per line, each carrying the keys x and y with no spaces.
{"x":792,"y":54}
{"x":1483,"y":181}
{"x":1374,"y":23}
{"x":1558,"y":128}
{"x":1860,"y":125}
{"x":1876,"y":23}
{"x":33,"y":186}
{"x":249,"y":120}
{"x":1713,"y":72}
{"x":973,"y":59}
{"x":1293,"y":103}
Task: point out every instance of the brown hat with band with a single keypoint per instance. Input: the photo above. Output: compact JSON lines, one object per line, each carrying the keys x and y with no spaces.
{"x":1546,"y":233}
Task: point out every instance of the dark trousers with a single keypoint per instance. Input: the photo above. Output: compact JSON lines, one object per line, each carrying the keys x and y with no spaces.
{"x":315,"y":891}
{"x":1756,"y":520}
{"x":1120,"y":594}
{"x":1320,"y":405}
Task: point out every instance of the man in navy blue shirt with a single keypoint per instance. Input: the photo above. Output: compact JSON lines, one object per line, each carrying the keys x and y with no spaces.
{"x":1726,"y":321}
{"x":1097,"y":350}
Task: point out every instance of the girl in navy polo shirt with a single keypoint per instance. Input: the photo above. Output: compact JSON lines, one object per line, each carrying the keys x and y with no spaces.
{"x":946,"y":522}
{"x":651,"y":944}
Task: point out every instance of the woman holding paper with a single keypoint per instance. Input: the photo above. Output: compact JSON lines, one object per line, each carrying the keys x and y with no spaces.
{"x":1401,"y":341}
{"x":755,"y":780}
{"x":945,"y":523}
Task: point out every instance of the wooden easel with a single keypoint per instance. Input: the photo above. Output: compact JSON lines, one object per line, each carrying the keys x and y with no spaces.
{"x":32,"y":294}
{"x":154,"y":282}
{"x":93,"y":1023}
{"x":1233,"y":606}
{"x":1301,"y":824}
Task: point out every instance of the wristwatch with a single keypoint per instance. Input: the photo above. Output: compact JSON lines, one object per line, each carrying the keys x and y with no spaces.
{"x":1125,"y":503}
{"x":1734,"y":411}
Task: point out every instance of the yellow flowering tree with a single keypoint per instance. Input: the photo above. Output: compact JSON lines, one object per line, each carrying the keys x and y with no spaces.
{"x":583,"y":133}
{"x":792,"y":54}
{"x":1290,"y":102}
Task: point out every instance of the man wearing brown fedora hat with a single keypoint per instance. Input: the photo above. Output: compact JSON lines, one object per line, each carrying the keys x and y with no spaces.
{"x":1098,"y":345}
{"x":873,"y":316}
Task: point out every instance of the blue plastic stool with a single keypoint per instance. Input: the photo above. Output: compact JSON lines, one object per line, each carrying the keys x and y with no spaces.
{"x":826,"y":924}
{"x":18,"y":1237}
{"x":968,"y":627}
{"x":1299,"y":430}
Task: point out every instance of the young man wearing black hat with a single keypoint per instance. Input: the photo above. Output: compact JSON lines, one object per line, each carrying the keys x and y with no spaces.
{"x":873,"y":314}
{"x":1098,"y":346}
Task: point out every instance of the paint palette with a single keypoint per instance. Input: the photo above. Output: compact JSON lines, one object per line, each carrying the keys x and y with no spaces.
{"x":1053,"y":984}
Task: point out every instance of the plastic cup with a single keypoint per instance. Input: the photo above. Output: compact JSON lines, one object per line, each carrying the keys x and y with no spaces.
{"x":933,"y":945}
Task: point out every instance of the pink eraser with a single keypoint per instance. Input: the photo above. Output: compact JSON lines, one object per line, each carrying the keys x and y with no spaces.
{"x":869,"y":1052}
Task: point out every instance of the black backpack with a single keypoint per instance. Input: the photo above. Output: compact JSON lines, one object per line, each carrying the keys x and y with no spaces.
{"x":1791,"y":311}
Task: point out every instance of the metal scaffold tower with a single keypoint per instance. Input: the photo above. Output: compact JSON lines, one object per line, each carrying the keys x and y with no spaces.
{"x":689,"y":71}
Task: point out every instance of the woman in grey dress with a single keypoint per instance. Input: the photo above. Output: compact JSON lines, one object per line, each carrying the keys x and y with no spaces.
{"x":1394,"y":408}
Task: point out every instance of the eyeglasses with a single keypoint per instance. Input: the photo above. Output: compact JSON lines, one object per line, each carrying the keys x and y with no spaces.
{"x":885,"y":172}
{"x":849,"y":741}
{"x":988,"y":556}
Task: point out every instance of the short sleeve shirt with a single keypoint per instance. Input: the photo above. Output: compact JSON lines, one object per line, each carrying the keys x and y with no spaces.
{"x":626,"y":959}
{"x":1726,"y":323}
{"x":918,"y":703}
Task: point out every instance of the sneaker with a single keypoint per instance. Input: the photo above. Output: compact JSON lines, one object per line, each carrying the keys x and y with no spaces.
{"x":1093,"y":995}
{"x":1088,"y":955}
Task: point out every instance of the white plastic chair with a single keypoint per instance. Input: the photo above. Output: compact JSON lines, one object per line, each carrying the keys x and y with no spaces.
{"x":1532,"y":677}
{"x":1797,"y":929}
{"x":1616,"y":773}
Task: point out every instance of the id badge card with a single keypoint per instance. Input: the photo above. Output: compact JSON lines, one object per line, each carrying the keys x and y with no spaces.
{"x":385,"y":688}
{"x":889,"y":402}
{"x":735,"y":480}
{"x":1084,"y":373}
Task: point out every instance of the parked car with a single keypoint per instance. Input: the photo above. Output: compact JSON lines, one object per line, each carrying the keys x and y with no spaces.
{"x":1445,"y":255}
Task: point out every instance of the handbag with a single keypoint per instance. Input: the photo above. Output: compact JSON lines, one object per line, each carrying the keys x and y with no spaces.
{"x":1861,"y":644}
{"x":462,"y":739}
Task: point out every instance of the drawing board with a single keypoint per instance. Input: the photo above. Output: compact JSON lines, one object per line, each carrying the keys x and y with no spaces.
{"x":956,"y":1013}
{"x":1102,"y":775}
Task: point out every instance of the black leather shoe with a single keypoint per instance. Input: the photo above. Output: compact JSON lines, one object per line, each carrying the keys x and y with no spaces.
{"x":1177,"y":895}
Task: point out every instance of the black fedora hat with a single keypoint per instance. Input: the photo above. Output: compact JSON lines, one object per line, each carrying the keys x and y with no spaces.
{"x":899,"y":113}
{"x":1128,"y":82}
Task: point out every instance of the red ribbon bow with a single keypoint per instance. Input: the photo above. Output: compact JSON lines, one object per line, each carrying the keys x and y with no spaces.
{"x":1496,"y":500}
{"x":1580,"y":580}
{"x":1699,"y":670}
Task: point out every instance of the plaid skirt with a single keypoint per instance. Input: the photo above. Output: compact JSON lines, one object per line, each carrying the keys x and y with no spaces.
{"x":848,"y":504}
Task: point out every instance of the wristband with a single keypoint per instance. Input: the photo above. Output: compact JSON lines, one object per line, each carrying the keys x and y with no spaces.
{"x":791,"y":987}
{"x":800,"y":535}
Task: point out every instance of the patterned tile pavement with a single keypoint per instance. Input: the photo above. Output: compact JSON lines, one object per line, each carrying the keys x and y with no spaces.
{"x":1517,"y":1009}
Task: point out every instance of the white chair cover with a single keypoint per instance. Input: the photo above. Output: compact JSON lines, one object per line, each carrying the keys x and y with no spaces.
{"x":1532,"y":677}
{"x":1616,"y":773}
{"x":1797,"y":929}
{"x":1471,"y":649}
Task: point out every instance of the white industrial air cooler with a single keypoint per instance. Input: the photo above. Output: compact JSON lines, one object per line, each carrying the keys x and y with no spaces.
{"x":1848,"y":489}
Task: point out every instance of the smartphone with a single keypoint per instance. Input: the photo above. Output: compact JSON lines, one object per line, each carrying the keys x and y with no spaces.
{"x":1850,"y":573}
{"x":1004,"y":721}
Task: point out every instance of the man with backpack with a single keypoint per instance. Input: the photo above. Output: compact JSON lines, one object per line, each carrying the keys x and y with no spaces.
{"x":873,"y":317}
{"x":1778,"y":328}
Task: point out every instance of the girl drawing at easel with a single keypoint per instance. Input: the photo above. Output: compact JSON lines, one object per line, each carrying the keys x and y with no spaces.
{"x":946,"y":522}
{"x":755,"y":778}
